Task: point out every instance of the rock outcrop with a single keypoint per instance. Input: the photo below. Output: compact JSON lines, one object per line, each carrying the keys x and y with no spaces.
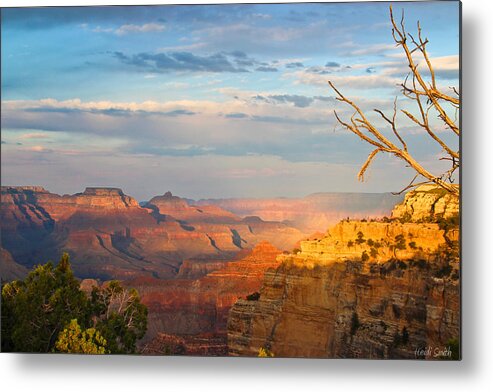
{"x":382,"y":289}
{"x":427,"y":203}
{"x":347,"y":310}
{"x":379,"y":241}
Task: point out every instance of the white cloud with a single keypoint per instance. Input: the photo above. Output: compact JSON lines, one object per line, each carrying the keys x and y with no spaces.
{"x":130,"y":28}
{"x":37,"y":148}
{"x":375,"y":49}
{"x":446,"y":67}
{"x":362,"y":82}
{"x":100,"y":29}
{"x":145,"y":28}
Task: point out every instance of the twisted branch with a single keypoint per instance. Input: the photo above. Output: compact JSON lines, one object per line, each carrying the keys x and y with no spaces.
{"x":367,"y":131}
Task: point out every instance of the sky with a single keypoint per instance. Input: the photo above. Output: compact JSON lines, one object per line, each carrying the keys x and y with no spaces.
{"x":211,"y":101}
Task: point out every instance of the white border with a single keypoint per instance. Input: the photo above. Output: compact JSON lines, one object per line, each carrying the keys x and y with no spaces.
{"x":79,"y":373}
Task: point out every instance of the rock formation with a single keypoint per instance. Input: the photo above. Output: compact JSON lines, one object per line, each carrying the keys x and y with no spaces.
{"x":382,"y":289}
{"x":109,"y":236}
{"x":182,"y":312}
{"x":426,"y":203}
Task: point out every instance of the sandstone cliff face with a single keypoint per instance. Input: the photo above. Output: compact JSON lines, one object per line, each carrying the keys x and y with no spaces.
{"x":426,"y":203}
{"x":380,"y":241}
{"x":346,"y":310}
{"x":109,"y":236}
{"x":381,"y":289}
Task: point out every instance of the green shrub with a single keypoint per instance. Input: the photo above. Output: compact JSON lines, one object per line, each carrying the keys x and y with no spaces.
{"x":360,"y":240}
{"x":49,"y":307}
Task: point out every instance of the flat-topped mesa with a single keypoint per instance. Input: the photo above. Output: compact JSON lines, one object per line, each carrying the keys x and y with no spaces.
{"x":427,"y":203}
{"x":91,"y":197}
{"x":103,"y":197}
{"x":103,"y":191}
{"x":37,"y":205}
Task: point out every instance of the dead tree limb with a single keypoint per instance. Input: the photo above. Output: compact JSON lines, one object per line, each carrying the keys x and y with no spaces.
{"x":428,"y":99}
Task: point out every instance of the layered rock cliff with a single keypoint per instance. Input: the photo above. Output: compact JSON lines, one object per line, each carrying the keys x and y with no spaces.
{"x":382,"y":289}
{"x":189,"y":316}
{"x":427,"y":203}
{"x":109,"y":236}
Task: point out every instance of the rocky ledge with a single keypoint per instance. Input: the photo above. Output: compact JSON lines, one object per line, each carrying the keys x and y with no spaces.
{"x":382,"y":289}
{"x":427,"y":203}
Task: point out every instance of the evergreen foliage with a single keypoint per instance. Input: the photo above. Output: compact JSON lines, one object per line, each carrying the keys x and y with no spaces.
{"x":48,"y":312}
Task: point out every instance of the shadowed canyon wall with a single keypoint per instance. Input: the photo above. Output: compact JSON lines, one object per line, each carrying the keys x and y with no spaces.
{"x":109,"y":236}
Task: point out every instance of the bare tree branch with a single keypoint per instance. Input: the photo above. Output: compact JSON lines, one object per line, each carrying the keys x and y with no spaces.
{"x":435,"y":99}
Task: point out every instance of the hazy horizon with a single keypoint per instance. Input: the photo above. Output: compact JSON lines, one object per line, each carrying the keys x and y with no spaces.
{"x":199,"y":198}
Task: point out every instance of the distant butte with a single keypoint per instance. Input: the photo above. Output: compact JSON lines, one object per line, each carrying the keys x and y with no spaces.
{"x":110,"y":236}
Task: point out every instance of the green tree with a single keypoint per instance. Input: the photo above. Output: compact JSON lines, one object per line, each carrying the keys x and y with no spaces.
{"x":35,"y":310}
{"x":399,"y":244}
{"x":38,"y":312}
{"x":75,"y":340}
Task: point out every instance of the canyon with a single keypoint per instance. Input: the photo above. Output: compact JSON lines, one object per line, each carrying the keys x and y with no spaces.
{"x":296,"y":277}
{"x":379,"y":289}
{"x":189,"y":316}
{"x":108,"y":235}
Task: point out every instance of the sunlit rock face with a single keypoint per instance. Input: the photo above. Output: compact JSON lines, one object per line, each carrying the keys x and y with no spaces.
{"x":110,"y":236}
{"x":427,"y":202}
{"x":381,"y":289}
